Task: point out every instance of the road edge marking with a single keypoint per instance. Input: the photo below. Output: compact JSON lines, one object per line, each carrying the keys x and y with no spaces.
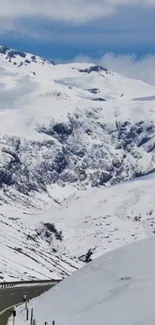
{"x":8,"y":308}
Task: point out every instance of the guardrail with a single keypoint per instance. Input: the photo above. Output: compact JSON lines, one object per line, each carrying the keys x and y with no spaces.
{"x":14,"y":283}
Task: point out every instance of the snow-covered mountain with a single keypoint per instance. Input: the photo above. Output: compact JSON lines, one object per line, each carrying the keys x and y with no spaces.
{"x":74,"y":124}
{"x":64,"y":129}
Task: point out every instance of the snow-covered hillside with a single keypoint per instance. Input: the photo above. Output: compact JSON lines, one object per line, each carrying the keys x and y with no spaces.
{"x":101,"y":219}
{"x":54,"y":242}
{"x":65,"y":129}
{"x":117,"y":288}
{"x":24,"y":255}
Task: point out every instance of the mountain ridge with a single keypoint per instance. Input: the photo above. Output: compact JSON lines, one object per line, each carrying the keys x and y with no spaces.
{"x":11,"y":54}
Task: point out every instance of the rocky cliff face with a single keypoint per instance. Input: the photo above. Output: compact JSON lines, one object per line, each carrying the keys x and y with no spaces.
{"x":82,"y":151}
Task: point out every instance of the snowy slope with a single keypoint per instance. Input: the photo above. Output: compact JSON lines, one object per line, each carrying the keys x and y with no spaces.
{"x":117,"y":288}
{"x":24,"y":255}
{"x":101,"y":219}
{"x":63,"y":130}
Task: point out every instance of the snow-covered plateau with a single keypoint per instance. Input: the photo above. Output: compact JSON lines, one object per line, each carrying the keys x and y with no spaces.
{"x":74,"y":140}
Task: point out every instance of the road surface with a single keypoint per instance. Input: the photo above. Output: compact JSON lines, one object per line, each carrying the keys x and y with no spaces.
{"x":14,"y":295}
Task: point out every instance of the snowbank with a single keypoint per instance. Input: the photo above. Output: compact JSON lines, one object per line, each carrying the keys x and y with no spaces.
{"x":117,"y":288}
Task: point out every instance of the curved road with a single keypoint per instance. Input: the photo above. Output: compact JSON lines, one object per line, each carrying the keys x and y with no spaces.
{"x":14,"y":295}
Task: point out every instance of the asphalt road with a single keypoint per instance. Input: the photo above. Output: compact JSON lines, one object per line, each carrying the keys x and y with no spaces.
{"x":14,"y":295}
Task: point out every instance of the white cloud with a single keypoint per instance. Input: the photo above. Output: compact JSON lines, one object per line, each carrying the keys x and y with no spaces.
{"x":130,"y":66}
{"x":80,"y":11}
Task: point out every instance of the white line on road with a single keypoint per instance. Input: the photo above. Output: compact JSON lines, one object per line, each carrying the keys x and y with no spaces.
{"x":8,"y":308}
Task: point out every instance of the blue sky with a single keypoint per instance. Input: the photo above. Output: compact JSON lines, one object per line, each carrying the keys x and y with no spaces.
{"x":65,"y":29}
{"x":118,"y":34}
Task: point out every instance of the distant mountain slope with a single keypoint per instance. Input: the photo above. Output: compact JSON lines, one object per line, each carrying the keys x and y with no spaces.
{"x":101,"y":219}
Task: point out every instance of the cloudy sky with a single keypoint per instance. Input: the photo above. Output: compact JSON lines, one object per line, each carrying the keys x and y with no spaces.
{"x":118,"y":33}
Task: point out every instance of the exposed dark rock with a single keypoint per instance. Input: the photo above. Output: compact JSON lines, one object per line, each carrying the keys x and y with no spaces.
{"x":86,"y":258}
{"x":62,"y":129}
{"x":151,"y":147}
{"x":93,"y":90}
{"x":6,"y":178}
{"x":12,"y":154}
{"x":33,"y":57}
{"x":94,"y":68}
{"x":11,"y":53}
{"x":143,"y":141}
{"x":48,"y":231}
{"x":27,"y":61}
{"x":99,"y":99}
{"x":104,"y":178}
{"x":3,"y":49}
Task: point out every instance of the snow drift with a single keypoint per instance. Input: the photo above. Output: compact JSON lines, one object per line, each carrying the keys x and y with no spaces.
{"x":117,"y":288}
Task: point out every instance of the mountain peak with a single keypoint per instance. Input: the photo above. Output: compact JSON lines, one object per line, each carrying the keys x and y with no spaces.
{"x":20,"y":58}
{"x":94,"y":68}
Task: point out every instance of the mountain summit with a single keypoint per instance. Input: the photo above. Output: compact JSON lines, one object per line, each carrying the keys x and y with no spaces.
{"x":19,"y":58}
